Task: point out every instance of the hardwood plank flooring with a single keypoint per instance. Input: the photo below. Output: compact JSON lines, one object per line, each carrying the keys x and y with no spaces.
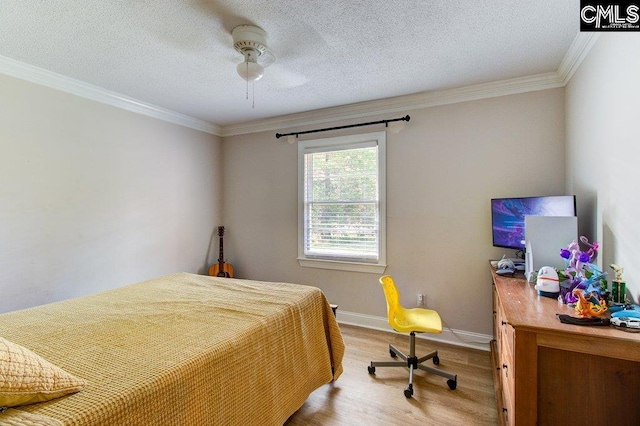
{"x":358,"y":398}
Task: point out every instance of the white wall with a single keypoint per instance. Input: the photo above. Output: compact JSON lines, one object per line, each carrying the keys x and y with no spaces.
{"x":94,"y":197}
{"x":442,"y":171}
{"x":603,"y":150}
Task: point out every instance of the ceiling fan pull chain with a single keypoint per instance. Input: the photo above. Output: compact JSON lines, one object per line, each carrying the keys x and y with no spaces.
{"x":253,"y":95}
{"x":247,"y":81}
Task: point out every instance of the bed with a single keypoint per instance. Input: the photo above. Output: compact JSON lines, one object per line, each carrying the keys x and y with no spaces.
{"x":184,"y":349}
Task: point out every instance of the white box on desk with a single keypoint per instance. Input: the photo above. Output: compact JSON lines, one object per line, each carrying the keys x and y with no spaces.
{"x":544,"y":236}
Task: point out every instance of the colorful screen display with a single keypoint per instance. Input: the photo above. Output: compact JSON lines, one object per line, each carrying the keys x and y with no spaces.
{"x":507,"y":216}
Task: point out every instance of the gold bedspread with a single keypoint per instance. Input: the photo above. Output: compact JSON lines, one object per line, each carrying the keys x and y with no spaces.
{"x":184,"y":350}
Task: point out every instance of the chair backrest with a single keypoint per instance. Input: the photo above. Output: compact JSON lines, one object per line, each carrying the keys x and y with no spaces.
{"x":392,"y":296}
{"x":403,"y":320}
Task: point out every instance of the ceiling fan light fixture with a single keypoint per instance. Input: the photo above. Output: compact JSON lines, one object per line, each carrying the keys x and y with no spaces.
{"x":251,"y":42}
{"x":250,"y":71}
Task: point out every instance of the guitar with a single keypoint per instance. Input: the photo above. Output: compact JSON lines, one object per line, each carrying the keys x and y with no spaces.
{"x":222,"y":268}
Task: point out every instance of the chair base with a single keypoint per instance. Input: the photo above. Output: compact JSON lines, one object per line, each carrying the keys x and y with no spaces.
{"x":412,"y":362}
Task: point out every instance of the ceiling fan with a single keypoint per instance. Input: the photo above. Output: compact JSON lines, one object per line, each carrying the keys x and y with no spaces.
{"x":251,"y":42}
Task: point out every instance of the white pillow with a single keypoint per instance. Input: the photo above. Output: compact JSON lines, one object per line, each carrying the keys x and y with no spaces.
{"x":27,"y":378}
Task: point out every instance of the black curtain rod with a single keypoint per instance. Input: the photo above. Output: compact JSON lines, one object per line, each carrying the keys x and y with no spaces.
{"x":386,"y":123}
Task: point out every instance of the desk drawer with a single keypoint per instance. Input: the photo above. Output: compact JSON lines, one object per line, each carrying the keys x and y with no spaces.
{"x":507,"y":377}
{"x":509,"y":338}
{"x":507,"y":373}
{"x":501,"y":324}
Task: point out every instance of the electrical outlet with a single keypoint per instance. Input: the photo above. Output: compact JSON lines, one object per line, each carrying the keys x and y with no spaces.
{"x":420,"y":300}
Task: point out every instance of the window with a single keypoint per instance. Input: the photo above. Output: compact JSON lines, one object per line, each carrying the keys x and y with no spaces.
{"x":341,"y":203}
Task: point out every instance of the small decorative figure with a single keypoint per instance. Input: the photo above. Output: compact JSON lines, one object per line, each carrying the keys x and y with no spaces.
{"x":580,"y":272}
{"x":618,"y":270}
{"x":618,"y":286}
{"x":591,"y":305}
{"x":547,"y":283}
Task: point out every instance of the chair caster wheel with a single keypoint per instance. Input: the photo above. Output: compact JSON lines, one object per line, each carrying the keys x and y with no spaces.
{"x":392,"y":353}
{"x":372,"y":369}
{"x":408,"y":391}
{"x":436,"y":360}
{"x":452,"y":384}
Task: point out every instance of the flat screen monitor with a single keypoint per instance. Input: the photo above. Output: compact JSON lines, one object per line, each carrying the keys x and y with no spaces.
{"x":507,"y":216}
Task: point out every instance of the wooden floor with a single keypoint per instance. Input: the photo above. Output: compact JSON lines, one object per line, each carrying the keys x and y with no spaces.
{"x":360,"y":398}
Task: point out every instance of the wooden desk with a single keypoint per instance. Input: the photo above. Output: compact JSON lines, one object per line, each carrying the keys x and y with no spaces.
{"x":549,"y":373}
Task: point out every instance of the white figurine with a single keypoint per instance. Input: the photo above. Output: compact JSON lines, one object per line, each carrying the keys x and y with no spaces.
{"x":548,"y":283}
{"x":618,"y":271}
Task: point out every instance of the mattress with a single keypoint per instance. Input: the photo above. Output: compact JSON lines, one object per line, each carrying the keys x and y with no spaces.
{"x":184,"y":349}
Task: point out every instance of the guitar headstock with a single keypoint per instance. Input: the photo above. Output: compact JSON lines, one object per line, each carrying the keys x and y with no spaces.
{"x":220,"y":231}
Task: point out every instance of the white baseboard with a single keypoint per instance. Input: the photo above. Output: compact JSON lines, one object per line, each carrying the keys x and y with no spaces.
{"x":450,"y":336}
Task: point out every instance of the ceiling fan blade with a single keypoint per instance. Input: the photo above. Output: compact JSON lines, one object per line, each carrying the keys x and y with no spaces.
{"x":267,"y":58}
{"x":285,"y":78}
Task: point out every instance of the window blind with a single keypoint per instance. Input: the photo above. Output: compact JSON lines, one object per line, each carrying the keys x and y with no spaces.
{"x":341,"y":200}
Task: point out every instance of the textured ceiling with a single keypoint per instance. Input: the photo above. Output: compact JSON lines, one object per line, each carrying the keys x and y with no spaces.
{"x":178,"y":55}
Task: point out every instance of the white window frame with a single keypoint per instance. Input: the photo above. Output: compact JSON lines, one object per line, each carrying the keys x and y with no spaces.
{"x":339,"y":142}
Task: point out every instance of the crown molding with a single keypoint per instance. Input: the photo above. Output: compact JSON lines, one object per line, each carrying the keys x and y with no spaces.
{"x":401,"y":104}
{"x":56,"y":81}
{"x":580,"y":47}
{"x":577,"y":52}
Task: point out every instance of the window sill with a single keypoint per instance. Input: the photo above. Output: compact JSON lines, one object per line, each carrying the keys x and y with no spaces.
{"x":342,"y":266}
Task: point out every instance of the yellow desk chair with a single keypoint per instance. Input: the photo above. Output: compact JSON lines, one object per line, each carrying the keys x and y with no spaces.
{"x":412,"y":321}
